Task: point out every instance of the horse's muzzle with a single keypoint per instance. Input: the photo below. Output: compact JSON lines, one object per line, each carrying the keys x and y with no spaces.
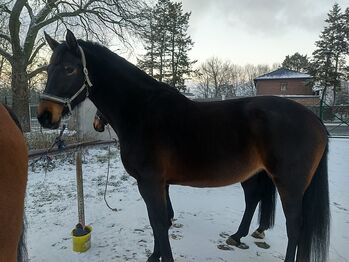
{"x":49,"y":114}
{"x":98,"y":126}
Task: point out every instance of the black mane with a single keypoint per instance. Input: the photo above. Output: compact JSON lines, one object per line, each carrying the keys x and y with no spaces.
{"x":126,"y":68}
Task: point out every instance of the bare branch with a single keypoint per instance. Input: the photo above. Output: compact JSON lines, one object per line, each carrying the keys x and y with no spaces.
{"x":6,"y":37}
{"x":36,"y":71}
{"x":45,"y":11}
{"x":30,"y":12}
{"x":6,"y":55}
{"x":36,"y":51}
{"x":14,"y":25}
{"x":4,"y":8}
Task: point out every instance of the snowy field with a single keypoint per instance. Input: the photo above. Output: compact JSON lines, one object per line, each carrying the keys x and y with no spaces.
{"x":204,"y":217}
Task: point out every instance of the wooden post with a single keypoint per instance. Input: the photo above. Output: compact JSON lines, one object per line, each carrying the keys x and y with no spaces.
{"x":80,"y":189}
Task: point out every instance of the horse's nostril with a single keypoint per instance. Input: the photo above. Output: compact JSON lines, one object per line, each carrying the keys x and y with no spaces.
{"x":45,"y":119}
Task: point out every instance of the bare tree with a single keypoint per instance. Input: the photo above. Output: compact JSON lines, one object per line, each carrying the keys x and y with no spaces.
{"x":217,"y":78}
{"x":253,"y":71}
{"x":23,"y":21}
{"x":213,"y":77}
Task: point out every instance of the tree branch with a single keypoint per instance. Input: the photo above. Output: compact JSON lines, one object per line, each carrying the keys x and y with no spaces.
{"x":38,"y":70}
{"x":6,"y":37}
{"x":5,"y":9}
{"x":45,"y":11}
{"x":36,"y":52}
{"x":30,"y":12}
{"x":14,"y":25}
{"x":6,"y":55}
{"x":57,"y":17}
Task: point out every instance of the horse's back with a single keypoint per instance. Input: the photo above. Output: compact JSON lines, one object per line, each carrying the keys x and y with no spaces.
{"x":13,"y":178}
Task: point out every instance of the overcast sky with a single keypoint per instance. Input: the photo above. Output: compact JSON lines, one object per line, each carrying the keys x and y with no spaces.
{"x":256,"y":31}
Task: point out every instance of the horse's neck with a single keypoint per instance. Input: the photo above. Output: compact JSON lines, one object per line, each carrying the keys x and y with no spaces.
{"x":120,"y":99}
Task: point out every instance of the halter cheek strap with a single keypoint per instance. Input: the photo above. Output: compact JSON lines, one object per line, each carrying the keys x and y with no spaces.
{"x":87,"y":84}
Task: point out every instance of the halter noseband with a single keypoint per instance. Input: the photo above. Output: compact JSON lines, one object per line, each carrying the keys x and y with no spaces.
{"x":87,"y":84}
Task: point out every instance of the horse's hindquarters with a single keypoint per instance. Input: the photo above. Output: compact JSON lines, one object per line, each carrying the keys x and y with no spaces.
{"x":13,"y":179}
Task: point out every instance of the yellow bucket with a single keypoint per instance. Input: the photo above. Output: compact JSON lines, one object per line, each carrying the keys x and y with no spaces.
{"x":82,"y":243}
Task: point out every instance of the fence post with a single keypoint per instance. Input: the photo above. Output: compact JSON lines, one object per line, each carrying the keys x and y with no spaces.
{"x":80,"y":189}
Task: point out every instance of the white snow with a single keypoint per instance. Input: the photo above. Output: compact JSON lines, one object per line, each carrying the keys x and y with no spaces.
{"x":204,"y":217}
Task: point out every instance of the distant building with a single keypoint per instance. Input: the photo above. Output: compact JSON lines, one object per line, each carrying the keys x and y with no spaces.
{"x":287,"y":83}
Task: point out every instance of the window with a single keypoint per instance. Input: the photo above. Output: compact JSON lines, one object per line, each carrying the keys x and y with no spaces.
{"x":283,"y":87}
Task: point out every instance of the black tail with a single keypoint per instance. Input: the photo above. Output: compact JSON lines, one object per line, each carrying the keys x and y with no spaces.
{"x":266,"y":214}
{"x":315,"y":234}
{"x":22,"y":253}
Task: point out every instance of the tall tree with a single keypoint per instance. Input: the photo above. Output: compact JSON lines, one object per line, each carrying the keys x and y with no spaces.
{"x":328,"y":62}
{"x":25,"y":19}
{"x":180,"y":44}
{"x":296,"y":62}
{"x":346,"y":28}
{"x":167,"y":44}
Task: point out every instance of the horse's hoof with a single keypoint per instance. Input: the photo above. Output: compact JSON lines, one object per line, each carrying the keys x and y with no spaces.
{"x":262,"y":245}
{"x":258,"y":235}
{"x":153,"y":259}
{"x":231,"y":241}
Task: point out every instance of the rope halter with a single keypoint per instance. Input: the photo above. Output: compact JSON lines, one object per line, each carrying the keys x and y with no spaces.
{"x":87,"y":84}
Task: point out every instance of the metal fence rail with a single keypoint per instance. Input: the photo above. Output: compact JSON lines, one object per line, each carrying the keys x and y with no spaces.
{"x":41,"y":152}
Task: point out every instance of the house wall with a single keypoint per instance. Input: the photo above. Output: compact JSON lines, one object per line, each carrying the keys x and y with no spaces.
{"x":273,"y":87}
{"x":82,"y":122}
{"x":306,"y":101}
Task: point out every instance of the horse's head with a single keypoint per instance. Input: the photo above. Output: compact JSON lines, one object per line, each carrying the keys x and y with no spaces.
{"x":67,"y":81}
{"x":99,"y":122}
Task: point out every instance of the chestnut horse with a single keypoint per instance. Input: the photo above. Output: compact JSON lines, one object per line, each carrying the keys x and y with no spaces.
{"x":13,"y":181}
{"x":257,"y":189}
{"x":167,"y":139}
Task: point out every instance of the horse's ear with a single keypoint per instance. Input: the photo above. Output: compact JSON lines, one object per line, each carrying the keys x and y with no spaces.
{"x":51,"y":42}
{"x":71,"y":40}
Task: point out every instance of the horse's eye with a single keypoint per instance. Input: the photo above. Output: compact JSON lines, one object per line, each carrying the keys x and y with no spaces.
{"x":69,"y":69}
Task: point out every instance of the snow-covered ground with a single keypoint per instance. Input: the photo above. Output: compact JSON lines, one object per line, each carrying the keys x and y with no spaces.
{"x":204,"y":217}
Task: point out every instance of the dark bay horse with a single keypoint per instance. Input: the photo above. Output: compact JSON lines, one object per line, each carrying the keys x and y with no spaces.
{"x":257,"y":189}
{"x":13,"y":181}
{"x":166,"y":139}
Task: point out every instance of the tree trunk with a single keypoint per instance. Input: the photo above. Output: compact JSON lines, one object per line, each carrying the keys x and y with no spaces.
{"x":20,"y":93}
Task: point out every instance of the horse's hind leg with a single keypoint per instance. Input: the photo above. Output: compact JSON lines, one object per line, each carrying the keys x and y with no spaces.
{"x":291,"y":186}
{"x":169,"y":206}
{"x":252,"y":197}
{"x":292,"y":206}
{"x":155,"y":197}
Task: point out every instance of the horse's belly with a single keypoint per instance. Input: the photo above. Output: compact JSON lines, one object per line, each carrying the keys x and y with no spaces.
{"x":213,"y":178}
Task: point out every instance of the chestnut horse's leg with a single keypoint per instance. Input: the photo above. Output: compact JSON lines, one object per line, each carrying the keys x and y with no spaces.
{"x":155,"y":198}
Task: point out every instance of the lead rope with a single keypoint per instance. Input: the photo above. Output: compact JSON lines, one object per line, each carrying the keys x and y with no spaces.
{"x":107,"y":180}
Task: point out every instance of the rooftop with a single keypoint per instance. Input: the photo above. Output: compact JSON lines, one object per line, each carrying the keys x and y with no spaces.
{"x":283,"y":73}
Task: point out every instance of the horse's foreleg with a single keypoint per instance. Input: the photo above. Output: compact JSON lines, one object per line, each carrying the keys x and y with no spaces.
{"x":154,"y":195}
{"x":252,"y":197}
